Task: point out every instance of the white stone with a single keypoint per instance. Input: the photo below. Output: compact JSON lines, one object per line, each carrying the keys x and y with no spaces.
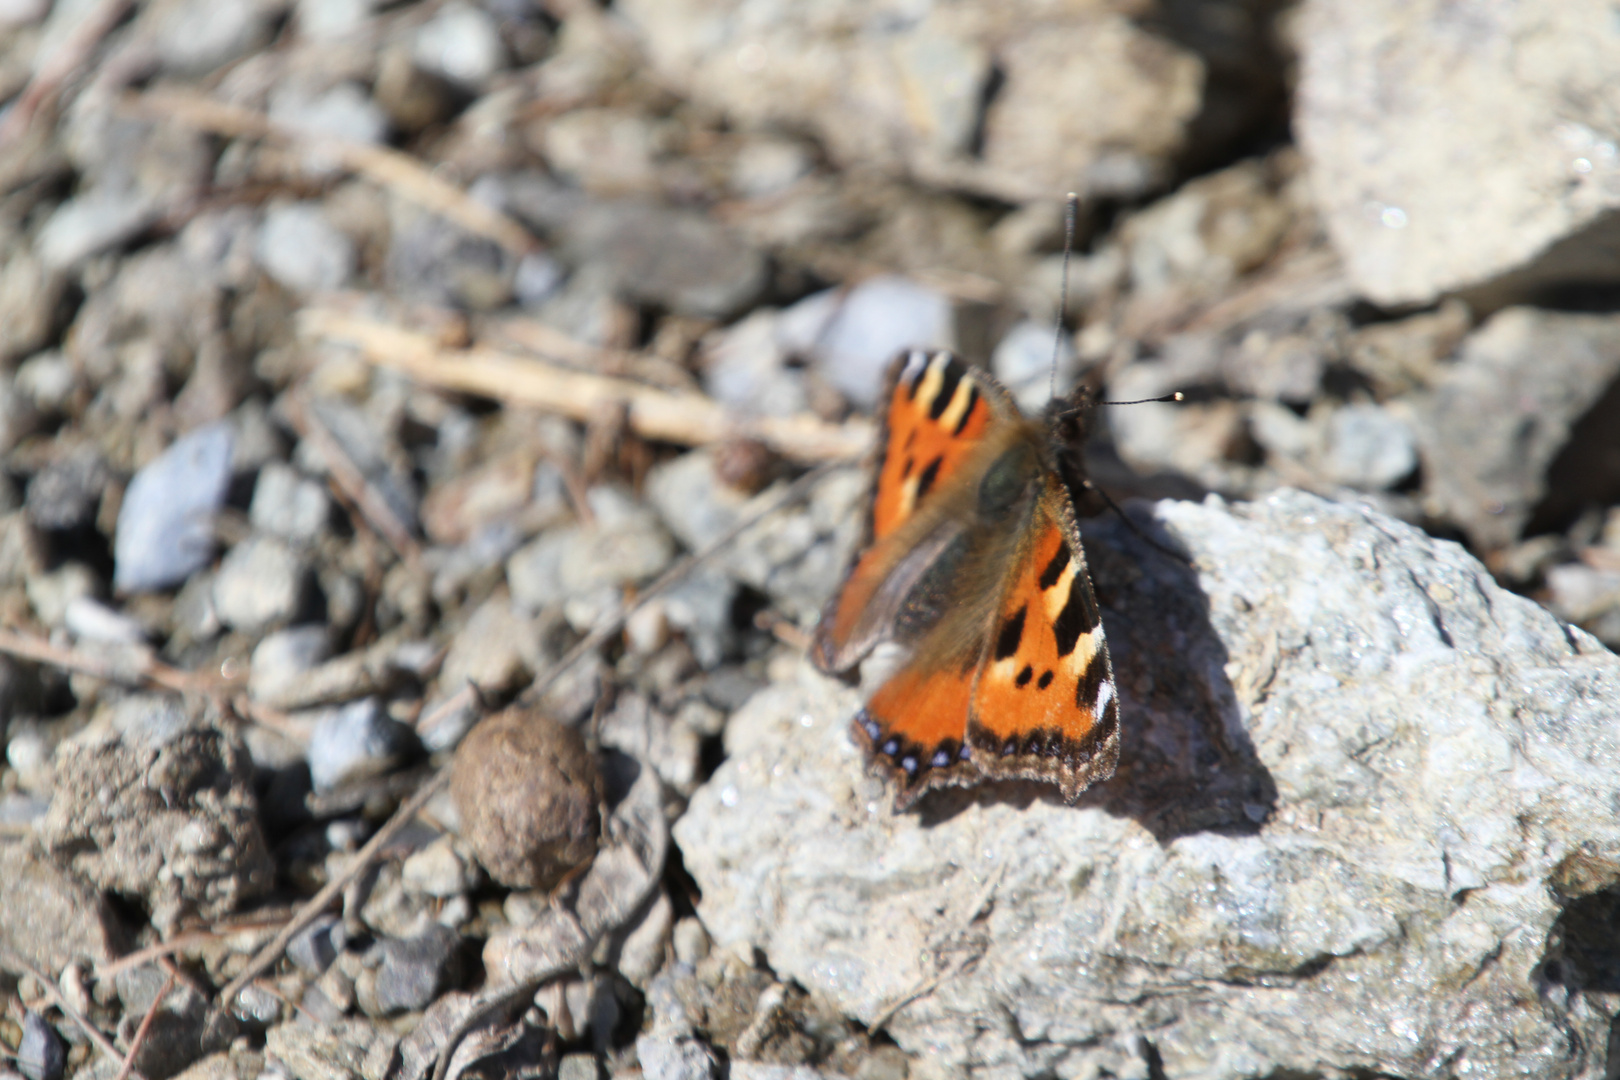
{"x":461,"y":43}
{"x":1033,"y":359}
{"x":1450,"y":146}
{"x":300,"y":247}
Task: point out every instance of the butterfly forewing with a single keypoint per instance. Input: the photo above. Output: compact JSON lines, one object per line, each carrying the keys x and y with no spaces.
{"x":938,"y":413}
{"x":1044,"y":705}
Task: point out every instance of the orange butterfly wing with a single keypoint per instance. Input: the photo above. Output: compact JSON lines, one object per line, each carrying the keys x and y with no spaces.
{"x":938,"y":413}
{"x":1044,"y":705}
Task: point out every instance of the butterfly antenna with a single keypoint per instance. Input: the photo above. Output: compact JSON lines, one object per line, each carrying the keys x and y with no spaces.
{"x":1071,"y":210}
{"x":1177,"y":396}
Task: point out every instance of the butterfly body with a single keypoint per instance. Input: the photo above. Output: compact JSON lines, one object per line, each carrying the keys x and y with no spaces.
{"x":973,"y":584}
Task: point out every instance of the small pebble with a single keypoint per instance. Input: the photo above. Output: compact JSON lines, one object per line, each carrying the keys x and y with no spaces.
{"x":355,"y":742}
{"x":29,"y":747}
{"x":345,"y":112}
{"x":1369,"y":447}
{"x":1023,"y":363}
{"x":326,"y":20}
{"x":877,"y":319}
{"x":437,"y":871}
{"x":301,"y":248}
{"x":166,"y":522}
{"x":647,"y":629}
{"x":106,"y":215}
{"x":527,"y":791}
{"x":89,"y":619}
{"x":257,"y":1005}
{"x":260,"y":583}
{"x":287,"y":503}
{"x":690,"y":940}
{"x":283,"y":656}
{"x":40,"y":1055}
{"x":66,"y":492}
{"x":317,"y":945}
{"x":461,"y":43}
{"x":415,"y":970}
{"x":674,"y":1057}
{"x":578,"y":1067}
{"x":50,"y":595}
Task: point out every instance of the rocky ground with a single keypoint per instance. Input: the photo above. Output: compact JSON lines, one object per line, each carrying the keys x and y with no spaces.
{"x":371,"y":370}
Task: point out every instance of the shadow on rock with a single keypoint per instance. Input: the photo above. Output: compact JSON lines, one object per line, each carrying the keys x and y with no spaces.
{"x":1186,"y":762}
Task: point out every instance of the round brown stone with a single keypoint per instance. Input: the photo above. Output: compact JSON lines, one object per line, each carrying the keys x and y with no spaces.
{"x":528,"y":793}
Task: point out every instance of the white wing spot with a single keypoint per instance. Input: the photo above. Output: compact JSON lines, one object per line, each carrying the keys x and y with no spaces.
{"x":958,"y":406}
{"x":916,"y":361}
{"x":1105,"y":694}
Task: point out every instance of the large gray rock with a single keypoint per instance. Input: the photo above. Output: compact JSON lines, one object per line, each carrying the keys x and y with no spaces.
{"x":999,"y":97}
{"x":1510,"y":410}
{"x":1363,"y":822}
{"x":1451,"y":146}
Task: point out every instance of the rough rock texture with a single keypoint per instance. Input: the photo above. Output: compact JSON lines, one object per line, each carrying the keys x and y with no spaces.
{"x":1450,"y":145}
{"x":1363,"y":821}
{"x":904,"y":86}
{"x":1514,"y":402}
{"x":162,"y":810}
{"x":52,"y":917}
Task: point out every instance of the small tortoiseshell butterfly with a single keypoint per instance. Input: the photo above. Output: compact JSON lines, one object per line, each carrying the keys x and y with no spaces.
{"x":972,"y":573}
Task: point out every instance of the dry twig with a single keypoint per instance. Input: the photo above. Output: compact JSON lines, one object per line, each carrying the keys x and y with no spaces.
{"x":266,"y":957}
{"x":352,"y":482}
{"x":688,"y":419}
{"x":400,"y":173}
{"x":128,"y":666}
{"x":52,"y":72}
{"x":146,"y":1026}
{"x":16,"y":963}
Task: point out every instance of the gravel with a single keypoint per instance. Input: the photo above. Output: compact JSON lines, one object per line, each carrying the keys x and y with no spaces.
{"x":264,"y":566}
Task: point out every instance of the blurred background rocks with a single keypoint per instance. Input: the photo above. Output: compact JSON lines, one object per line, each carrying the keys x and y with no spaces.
{"x":264,"y":562}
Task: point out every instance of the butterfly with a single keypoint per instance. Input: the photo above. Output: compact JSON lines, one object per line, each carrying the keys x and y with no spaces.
{"x":971,"y":587}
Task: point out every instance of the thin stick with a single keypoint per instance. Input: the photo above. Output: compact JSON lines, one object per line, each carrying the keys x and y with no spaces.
{"x":353,"y":482}
{"x":267,"y":957}
{"x":56,"y":69}
{"x":389,"y":168}
{"x":154,"y":952}
{"x":495,"y":1001}
{"x":18,"y":964}
{"x":176,"y":943}
{"x":688,"y":419}
{"x":146,"y":1026}
{"x":41,"y":651}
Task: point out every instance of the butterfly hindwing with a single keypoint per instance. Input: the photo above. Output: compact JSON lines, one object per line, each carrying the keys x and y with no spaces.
{"x":913,"y":728}
{"x":1044,"y":704}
